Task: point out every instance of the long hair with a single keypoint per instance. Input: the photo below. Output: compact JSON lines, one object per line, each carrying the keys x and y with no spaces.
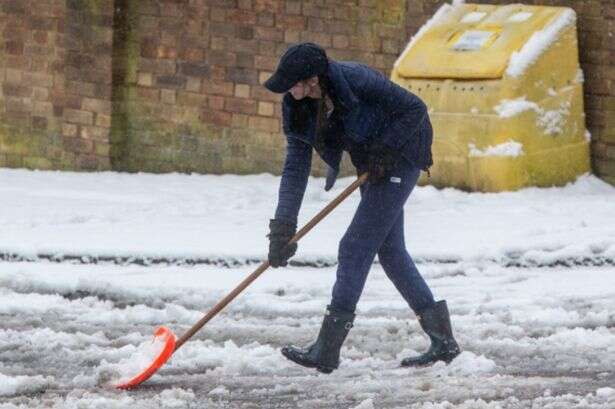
{"x":306,"y":107}
{"x":300,"y":114}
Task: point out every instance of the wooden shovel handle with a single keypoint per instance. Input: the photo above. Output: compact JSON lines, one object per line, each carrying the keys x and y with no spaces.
{"x":248,"y":280}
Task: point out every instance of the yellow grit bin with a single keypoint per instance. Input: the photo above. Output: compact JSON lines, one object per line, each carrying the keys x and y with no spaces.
{"x":505,"y":95}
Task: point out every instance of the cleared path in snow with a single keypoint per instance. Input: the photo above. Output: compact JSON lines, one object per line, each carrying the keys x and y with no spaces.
{"x":531,"y":338}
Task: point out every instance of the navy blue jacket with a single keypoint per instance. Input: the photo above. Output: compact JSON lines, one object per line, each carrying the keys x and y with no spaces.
{"x":374,"y":109}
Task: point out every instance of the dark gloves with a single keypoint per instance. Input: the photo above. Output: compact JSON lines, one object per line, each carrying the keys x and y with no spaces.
{"x":381,"y":161}
{"x":331,"y":177}
{"x":279,"y":235}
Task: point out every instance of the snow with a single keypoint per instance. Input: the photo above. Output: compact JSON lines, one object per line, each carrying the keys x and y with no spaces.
{"x":520,"y":17}
{"x":436,"y":19}
{"x":220,"y":390}
{"x":507,"y":108}
{"x":467,"y":363}
{"x":552,"y":121}
{"x":128,"y":368}
{"x":222,"y":220}
{"x":510,"y":148}
{"x":366,"y":404}
{"x":472,"y":40}
{"x":528,"y":277}
{"x":18,"y":385}
{"x":538,"y":43}
{"x":520,"y":60}
{"x":505,"y":321}
{"x":175,"y":398}
{"x":605,"y":392}
{"x":473,"y":17}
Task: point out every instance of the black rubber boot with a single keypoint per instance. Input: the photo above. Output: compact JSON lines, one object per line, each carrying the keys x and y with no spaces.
{"x":436,"y":322}
{"x":324,"y":353}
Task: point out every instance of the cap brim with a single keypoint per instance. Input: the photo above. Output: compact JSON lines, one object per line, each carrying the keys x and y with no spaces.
{"x":278,"y":83}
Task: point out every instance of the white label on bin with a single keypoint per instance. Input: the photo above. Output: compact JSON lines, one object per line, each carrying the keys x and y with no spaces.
{"x":472,"y":40}
{"x":473,"y":17}
{"x":520,"y":17}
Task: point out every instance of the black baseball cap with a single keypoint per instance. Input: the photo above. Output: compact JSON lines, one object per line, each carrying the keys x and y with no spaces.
{"x":299,"y":62}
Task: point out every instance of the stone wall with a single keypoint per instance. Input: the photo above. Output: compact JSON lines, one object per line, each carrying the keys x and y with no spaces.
{"x":55,"y":76}
{"x":175,"y":85}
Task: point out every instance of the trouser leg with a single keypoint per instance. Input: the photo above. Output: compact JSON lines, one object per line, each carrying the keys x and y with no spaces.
{"x":376,"y":214}
{"x":401,"y":270}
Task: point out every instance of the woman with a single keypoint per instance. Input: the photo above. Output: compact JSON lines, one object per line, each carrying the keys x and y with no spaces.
{"x":334,"y":106}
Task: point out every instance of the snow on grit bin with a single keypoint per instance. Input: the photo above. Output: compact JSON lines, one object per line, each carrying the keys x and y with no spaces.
{"x":505,"y":95}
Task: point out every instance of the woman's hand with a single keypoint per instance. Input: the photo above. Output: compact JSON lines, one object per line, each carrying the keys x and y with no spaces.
{"x":381,"y":161}
{"x":280,"y":251}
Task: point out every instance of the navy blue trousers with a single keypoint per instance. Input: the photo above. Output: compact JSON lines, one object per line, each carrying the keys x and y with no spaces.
{"x":378,"y":228}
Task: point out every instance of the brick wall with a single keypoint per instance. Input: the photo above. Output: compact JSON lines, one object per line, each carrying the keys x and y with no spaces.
{"x":184,"y":77}
{"x":194,"y":69}
{"x":55,"y":94}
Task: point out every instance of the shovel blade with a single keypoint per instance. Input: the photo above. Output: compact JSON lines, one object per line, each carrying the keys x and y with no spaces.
{"x":162,"y":334}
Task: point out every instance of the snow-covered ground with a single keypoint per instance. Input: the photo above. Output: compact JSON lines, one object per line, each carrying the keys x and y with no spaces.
{"x":225,"y":218}
{"x":529,"y":277}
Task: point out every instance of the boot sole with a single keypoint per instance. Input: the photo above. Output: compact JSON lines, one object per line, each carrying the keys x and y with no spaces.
{"x":447,"y":360}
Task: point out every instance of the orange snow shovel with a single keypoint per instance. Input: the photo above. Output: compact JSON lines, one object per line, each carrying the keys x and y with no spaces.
{"x":165,"y":337}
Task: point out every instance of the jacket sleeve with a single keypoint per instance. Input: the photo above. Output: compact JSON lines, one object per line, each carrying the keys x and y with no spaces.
{"x":405,"y":111}
{"x":294,"y":179}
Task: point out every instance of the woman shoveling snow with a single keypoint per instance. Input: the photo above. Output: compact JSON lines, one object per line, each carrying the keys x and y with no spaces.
{"x":333,"y":107}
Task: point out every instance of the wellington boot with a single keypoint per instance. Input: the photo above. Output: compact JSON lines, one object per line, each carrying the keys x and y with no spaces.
{"x":324,"y":353}
{"x":436,"y":323}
